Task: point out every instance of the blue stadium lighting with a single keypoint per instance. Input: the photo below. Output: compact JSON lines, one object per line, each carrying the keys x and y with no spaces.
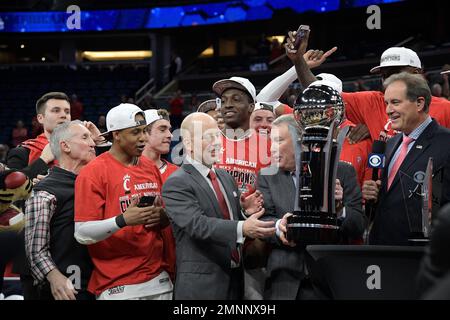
{"x":168,"y":17}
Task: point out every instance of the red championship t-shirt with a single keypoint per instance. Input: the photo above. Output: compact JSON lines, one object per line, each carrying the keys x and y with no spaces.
{"x":243,"y":158}
{"x":169,"y":169}
{"x":104,"y":189}
{"x":369,"y":108}
{"x":357,"y":155}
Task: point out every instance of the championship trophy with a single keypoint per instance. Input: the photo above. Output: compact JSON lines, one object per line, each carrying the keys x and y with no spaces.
{"x":318,"y":111}
{"x":420,"y":220}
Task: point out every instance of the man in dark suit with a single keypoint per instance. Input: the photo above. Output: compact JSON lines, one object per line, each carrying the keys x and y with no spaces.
{"x":204,"y":206}
{"x":398,"y":213}
{"x":288,"y":276}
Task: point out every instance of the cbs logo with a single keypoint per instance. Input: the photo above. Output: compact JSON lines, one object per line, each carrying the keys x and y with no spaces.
{"x":375,"y":160}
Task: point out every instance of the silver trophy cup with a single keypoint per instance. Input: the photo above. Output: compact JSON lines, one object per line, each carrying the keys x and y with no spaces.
{"x":318,"y":111}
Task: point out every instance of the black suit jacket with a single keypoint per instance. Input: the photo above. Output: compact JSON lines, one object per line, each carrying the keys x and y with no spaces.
{"x":399,"y":208}
{"x":286,"y":265}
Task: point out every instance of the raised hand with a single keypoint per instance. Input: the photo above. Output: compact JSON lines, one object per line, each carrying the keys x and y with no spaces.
{"x":315,"y":58}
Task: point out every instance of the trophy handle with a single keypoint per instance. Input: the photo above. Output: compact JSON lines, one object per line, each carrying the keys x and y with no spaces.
{"x":298,"y":160}
{"x":332,"y":152}
{"x":339,"y":143}
{"x":427,"y":198}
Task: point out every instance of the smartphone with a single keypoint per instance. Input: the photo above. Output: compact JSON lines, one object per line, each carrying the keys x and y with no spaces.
{"x":146,"y":201}
{"x":302,"y":31}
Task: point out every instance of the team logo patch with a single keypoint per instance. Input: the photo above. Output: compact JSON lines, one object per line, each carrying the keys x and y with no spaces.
{"x":126,"y":183}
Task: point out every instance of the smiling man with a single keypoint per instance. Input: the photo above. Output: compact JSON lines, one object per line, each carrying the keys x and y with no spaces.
{"x":407,"y":98}
{"x":204,"y":205}
{"x":159,"y":138}
{"x":245,"y":153}
{"x":124,"y":239}
{"x":52,"y":251}
{"x":34,"y":156}
{"x":262,"y":117}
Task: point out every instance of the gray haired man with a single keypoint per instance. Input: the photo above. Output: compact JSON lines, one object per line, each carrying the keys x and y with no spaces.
{"x":60,"y":266}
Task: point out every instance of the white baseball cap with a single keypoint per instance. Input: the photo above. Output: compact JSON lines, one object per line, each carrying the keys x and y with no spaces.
{"x":122,"y":117}
{"x":446,"y":71}
{"x":330,"y":80}
{"x":235,"y":83}
{"x":397,"y":57}
{"x":208,"y":105}
{"x":152,"y":116}
{"x":264,"y":106}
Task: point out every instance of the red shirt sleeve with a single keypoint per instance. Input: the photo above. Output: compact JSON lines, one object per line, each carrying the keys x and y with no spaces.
{"x":440,"y":111}
{"x":366,"y":107}
{"x":89,"y":198}
{"x":287,"y":109}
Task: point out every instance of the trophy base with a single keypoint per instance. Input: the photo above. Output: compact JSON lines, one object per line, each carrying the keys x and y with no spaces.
{"x":312,"y":228}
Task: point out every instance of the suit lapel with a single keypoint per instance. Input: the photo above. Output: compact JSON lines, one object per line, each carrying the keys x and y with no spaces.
{"x":390,"y":151}
{"x":286,"y":182}
{"x":419,"y":147}
{"x":200,"y":180}
{"x":396,"y":140}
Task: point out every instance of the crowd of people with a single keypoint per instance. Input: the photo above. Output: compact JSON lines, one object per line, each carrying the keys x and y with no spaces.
{"x":111,"y":218}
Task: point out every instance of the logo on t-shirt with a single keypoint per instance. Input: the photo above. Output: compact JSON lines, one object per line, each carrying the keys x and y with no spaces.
{"x":126,"y":183}
{"x":116,"y":290}
{"x":388,"y":132}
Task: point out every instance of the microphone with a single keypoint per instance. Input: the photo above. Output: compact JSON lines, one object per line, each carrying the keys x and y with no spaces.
{"x":377,"y":158}
{"x":376,"y":161}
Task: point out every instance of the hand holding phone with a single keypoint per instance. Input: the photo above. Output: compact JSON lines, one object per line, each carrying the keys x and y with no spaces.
{"x":146,"y":201}
{"x":301,"y":34}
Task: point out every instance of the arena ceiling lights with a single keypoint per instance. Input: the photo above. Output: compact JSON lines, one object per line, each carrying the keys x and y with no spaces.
{"x":168,"y":17}
{"x":116,"y":55}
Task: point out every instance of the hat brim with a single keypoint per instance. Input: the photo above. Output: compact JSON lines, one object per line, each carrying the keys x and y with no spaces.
{"x":445,"y":72}
{"x":207,"y":105}
{"x":377,"y":69}
{"x":137,"y":125}
{"x":222,"y":85}
{"x":108,"y":132}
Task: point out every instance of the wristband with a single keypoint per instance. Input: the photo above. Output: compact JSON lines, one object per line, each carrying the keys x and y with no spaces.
{"x":120,"y":221}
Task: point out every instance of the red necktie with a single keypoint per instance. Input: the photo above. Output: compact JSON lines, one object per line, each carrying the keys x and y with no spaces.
{"x":223,"y":207}
{"x":398,"y":162}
